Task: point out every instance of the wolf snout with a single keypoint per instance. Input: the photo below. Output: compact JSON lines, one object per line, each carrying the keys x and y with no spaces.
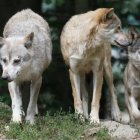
{"x":7,"y":78}
{"x":123,"y":42}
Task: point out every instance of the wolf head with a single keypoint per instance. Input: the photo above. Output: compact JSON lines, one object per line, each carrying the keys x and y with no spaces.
{"x":134,"y":48}
{"x":14,"y":55}
{"x":109,"y":27}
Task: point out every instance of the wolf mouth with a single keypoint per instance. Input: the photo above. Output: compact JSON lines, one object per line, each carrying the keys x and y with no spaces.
{"x":9,"y":80}
{"x":122,"y":45}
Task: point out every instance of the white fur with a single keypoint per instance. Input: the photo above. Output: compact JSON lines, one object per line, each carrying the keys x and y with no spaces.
{"x":34,"y":59}
{"x":16,"y":102}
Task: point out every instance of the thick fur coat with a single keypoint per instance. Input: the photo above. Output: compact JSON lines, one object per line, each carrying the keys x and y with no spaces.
{"x":26,"y":51}
{"x":85,"y":45}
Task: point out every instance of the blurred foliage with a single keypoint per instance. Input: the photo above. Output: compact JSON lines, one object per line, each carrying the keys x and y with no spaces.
{"x":51,"y":4}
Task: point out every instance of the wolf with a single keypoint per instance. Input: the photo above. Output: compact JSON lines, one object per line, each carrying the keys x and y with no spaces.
{"x":85,"y":45}
{"x":25,"y":53}
{"x":132,"y":77}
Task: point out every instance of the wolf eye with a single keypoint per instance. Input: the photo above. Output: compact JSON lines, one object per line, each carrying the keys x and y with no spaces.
{"x":16,"y":61}
{"x":119,"y":28}
{"x":4,"y":60}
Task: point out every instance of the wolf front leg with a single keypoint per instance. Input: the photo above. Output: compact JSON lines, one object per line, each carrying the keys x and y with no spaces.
{"x":34,"y":91}
{"x":97,"y":86}
{"x":15,"y":94}
{"x":132,"y":119}
{"x":84,"y":95}
{"x":133,"y":99}
{"x":75,"y":83}
{"x":115,"y":111}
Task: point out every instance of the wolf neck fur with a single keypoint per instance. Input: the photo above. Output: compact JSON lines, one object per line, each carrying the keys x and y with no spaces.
{"x":94,"y":41}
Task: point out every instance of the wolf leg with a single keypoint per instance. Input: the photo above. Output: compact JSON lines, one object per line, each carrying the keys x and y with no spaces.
{"x":16,"y":102}
{"x":134,"y":102}
{"x":134,"y":106}
{"x":75,"y":83}
{"x":95,"y":105}
{"x":84,"y":95}
{"x":36,"y":110}
{"x":34,"y":91}
{"x":115,"y":111}
{"x":127,"y":101}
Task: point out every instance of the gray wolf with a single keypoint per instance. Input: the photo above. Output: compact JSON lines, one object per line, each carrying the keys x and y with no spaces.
{"x":85,"y":45}
{"x":24,"y":54}
{"x":132,"y":77}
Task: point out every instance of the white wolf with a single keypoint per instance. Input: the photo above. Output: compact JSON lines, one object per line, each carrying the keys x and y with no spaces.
{"x":25,"y":53}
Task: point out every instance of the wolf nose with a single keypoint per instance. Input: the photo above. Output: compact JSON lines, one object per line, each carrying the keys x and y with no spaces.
{"x":5,"y":77}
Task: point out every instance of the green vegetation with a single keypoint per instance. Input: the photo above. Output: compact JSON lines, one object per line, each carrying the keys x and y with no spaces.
{"x":5,"y":114}
{"x":56,"y":89}
{"x":103,"y":134}
{"x":58,"y":126}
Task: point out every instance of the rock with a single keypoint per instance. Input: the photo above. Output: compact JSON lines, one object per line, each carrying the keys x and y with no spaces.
{"x":117,"y":131}
{"x":121,"y":131}
{"x":2,"y":137}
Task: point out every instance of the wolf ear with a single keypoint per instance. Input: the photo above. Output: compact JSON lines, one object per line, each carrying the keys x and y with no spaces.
{"x":28,"y":40}
{"x":133,"y":33}
{"x":2,"y":41}
{"x":109,"y":14}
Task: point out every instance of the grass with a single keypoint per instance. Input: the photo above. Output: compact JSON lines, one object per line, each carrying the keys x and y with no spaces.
{"x":5,"y":114}
{"x":103,"y":134}
{"x":58,"y":126}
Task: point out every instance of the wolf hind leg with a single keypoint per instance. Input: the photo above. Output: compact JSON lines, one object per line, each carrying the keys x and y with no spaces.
{"x":84,"y":95}
{"x":36,"y":110}
{"x":34,"y":91}
{"x":75,"y":83}
{"x":115,"y":111}
{"x":97,"y":87}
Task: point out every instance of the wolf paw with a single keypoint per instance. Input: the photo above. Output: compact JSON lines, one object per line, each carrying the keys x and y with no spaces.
{"x":136,"y":114}
{"x":17,"y":119}
{"x":30,"y":119}
{"x":94,"y":120}
{"x":116,"y":115}
{"x":80,"y":116}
